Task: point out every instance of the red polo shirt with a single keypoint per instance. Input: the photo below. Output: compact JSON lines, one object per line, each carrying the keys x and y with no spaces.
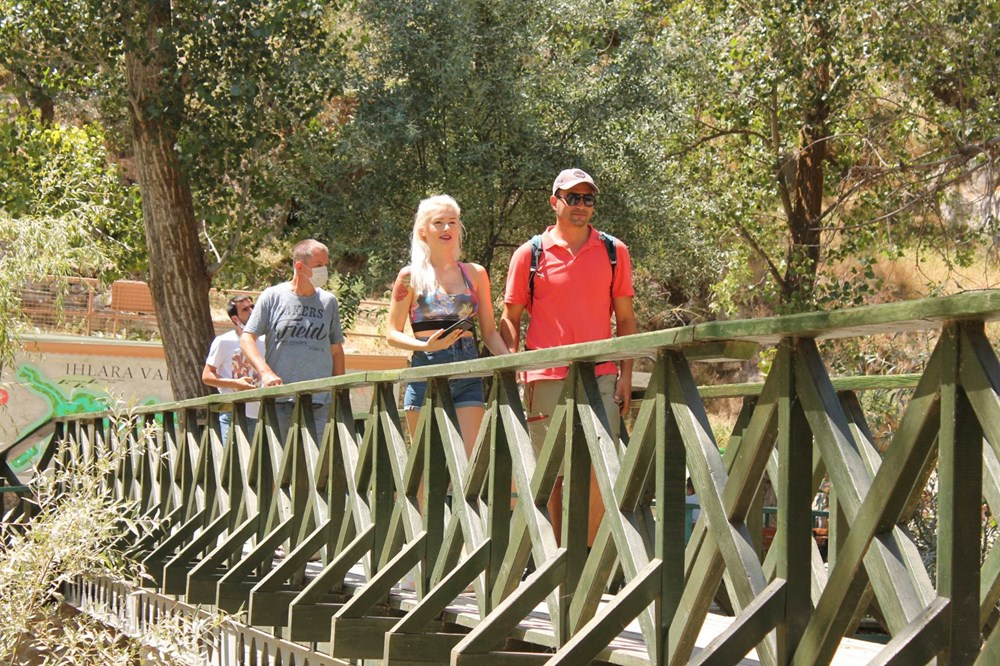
{"x":573,"y":295}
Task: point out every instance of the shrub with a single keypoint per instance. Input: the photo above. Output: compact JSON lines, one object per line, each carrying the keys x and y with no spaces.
{"x":77,"y":531}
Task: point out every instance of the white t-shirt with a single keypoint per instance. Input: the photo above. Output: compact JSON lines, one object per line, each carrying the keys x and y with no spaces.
{"x":227,"y":359}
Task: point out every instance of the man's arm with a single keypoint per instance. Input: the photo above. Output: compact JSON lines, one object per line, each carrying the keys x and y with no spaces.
{"x":625,"y":324}
{"x":248,"y":345}
{"x":339,"y":360}
{"x":516,"y":297}
{"x":510,"y":325}
{"x":210,"y":377}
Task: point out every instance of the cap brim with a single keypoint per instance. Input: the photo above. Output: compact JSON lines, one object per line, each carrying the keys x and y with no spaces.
{"x":574,"y":183}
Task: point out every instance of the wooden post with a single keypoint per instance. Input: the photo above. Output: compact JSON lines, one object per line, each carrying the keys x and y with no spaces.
{"x":960,"y":503}
{"x":795,"y":496}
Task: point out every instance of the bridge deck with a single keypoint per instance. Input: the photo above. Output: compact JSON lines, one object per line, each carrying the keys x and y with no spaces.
{"x":107,"y":600}
{"x":628,"y":649}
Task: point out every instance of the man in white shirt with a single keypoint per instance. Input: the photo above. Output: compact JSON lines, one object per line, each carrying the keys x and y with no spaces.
{"x":227,"y":369}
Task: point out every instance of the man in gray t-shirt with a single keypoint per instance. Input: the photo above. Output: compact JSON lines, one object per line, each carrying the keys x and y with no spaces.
{"x":301,"y":325}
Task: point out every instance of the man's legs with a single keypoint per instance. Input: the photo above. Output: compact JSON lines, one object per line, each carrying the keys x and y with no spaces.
{"x":284,"y":411}
{"x":541,"y":398}
{"x":321,"y":413}
{"x":225,"y":421}
{"x":607,"y":385}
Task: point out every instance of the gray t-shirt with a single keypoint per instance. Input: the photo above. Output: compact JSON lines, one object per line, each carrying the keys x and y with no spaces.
{"x":298,"y":333}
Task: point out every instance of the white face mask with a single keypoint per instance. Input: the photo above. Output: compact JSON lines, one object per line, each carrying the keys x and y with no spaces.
{"x":319,"y":277}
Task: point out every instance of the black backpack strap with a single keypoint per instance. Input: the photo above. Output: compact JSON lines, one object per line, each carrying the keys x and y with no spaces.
{"x":536,"y":252}
{"x":609,"y":245}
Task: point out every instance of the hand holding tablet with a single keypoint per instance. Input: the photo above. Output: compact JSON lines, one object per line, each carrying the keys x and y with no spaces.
{"x":460,"y":325}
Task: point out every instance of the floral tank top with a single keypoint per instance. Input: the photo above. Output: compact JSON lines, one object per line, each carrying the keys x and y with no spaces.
{"x":439,"y":309}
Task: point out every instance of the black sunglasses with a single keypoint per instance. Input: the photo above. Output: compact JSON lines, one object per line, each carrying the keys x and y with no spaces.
{"x":573,"y":199}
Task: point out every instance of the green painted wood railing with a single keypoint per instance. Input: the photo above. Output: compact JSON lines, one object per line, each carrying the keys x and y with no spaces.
{"x":349,"y":495}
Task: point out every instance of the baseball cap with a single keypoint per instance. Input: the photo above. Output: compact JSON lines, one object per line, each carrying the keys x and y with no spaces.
{"x":567,"y":178}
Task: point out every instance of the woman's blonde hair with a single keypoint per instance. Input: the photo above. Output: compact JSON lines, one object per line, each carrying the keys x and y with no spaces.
{"x":422,"y":276}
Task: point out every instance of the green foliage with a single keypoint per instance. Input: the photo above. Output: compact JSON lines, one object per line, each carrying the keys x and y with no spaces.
{"x":71,"y":535}
{"x":254,"y":73}
{"x":64,"y":211}
{"x":66,"y":172}
{"x":250,"y":73}
{"x":60,"y":52}
{"x":859,"y":286}
{"x":488,"y":101}
{"x":765,"y":85}
{"x":350,"y":290}
{"x":439,"y":103}
{"x":77,"y":531}
{"x":923,"y":527}
{"x":754,"y":157}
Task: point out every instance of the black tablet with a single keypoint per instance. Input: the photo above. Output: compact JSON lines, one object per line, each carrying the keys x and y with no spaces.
{"x":461,"y":324}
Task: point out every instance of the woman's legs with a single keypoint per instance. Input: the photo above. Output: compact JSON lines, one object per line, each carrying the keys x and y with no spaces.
{"x":469,"y":420}
{"x":412,"y":416}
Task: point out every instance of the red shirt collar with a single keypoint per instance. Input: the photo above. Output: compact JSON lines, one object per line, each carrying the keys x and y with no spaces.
{"x":548,"y":241}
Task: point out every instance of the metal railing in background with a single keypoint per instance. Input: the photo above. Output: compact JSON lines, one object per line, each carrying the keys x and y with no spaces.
{"x":85,"y":306}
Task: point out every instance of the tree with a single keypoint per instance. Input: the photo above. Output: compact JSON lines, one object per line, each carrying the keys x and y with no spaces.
{"x":178,"y":276}
{"x":485,"y":101}
{"x":138,"y":35}
{"x":438,"y":104}
{"x":742,"y":150}
{"x":64,"y":211}
{"x":174,"y":65}
{"x":821,"y":130}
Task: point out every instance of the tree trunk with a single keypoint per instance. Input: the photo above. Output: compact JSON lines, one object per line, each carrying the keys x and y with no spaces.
{"x":178,"y":275}
{"x":805,"y":223}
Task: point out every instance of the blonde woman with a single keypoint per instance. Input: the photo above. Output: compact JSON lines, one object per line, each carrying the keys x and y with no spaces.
{"x":434,"y":292}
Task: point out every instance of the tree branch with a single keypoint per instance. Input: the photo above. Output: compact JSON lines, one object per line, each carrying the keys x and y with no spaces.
{"x":716,"y":134}
{"x":779,"y":162}
{"x":755,"y":246}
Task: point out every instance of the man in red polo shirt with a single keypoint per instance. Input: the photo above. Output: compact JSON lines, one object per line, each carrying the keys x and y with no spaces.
{"x":576,"y":291}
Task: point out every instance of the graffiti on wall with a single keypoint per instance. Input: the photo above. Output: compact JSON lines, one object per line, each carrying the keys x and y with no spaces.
{"x":77,"y":393}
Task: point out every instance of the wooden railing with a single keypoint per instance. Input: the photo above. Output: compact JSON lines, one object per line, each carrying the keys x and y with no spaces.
{"x":373,"y":506}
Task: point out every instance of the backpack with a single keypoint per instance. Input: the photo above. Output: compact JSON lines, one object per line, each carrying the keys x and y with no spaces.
{"x":536,"y":252}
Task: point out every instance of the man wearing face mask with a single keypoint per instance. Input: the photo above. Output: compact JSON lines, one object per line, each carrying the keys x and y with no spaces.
{"x":300,"y":323}
{"x":227,"y":369}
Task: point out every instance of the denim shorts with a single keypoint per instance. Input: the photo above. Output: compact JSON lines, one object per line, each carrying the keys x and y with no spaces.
{"x":467,"y":392}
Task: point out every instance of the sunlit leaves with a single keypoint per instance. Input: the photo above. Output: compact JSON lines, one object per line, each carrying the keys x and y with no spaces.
{"x":75,"y":531}
{"x":64,"y":211}
{"x":900,"y":94}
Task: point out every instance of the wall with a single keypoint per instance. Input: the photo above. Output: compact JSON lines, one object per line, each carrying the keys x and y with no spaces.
{"x":61,"y":375}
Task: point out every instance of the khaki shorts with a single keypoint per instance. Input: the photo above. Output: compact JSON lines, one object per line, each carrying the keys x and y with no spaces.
{"x":542,"y":396}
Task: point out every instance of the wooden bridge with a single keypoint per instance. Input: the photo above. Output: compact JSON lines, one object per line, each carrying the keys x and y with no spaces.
{"x":310,"y":534}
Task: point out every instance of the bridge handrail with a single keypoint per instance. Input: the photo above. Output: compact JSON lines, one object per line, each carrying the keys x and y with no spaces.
{"x":709,"y":341}
{"x":365,"y":494}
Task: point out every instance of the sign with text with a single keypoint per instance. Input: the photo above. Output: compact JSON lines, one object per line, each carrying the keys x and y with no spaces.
{"x":59,"y":376}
